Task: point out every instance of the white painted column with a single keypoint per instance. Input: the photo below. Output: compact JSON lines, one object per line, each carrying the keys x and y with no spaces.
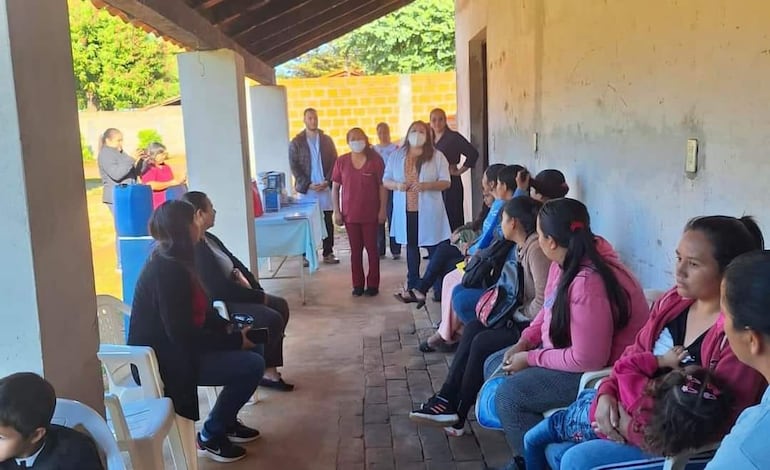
{"x":48,"y":312}
{"x":217,"y":144}
{"x":270,"y":130}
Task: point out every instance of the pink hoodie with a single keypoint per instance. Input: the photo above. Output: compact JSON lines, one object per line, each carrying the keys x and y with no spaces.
{"x":595,"y":343}
{"x":627,"y":387}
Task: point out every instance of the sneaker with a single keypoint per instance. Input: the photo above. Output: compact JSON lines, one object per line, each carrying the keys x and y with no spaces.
{"x":455,"y":430}
{"x":358,"y":291}
{"x":436,"y":411}
{"x":396,"y":257}
{"x":371,"y":291}
{"x":331,"y":259}
{"x":305,"y":262}
{"x":220,"y":450}
{"x":241,"y":433}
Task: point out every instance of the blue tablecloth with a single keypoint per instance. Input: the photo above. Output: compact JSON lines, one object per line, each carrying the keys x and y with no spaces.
{"x":279,"y":236}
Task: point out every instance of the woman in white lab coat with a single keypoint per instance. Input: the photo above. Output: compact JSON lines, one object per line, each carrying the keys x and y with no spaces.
{"x":417,"y":173}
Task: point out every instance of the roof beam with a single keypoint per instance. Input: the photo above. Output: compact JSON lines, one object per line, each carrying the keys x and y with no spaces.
{"x":177,"y":21}
{"x":230,"y":10}
{"x":292,"y":45}
{"x":307,"y":19}
{"x":259,"y":17}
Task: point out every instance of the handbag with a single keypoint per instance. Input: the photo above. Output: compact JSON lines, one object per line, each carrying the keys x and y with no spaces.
{"x":499,"y":302}
{"x":483,"y":269}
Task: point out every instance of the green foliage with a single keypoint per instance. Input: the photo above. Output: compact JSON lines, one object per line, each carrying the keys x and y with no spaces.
{"x":419,"y":37}
{"x":88,"y":153}
{"x":117,"y":65}
{"x":148,"y":136}
{"x":326,"y":59}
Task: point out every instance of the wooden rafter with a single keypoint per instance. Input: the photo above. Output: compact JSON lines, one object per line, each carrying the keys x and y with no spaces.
{"x":257,"y":18}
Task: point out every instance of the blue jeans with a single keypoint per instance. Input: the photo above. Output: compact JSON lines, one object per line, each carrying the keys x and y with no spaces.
{"x":464,"y":301}
{"x":571,"y":425}
{"x":239,"y":373}
{"x":591,"y":454}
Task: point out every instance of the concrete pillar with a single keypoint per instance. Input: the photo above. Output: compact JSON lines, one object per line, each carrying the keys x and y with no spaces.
{"x":405,"y":112}
{"x":48,"y":314}
{"x":270,"y":130}
{"x":216,"y":140}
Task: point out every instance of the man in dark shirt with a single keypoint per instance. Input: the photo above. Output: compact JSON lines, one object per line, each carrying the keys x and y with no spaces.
{"x":452,"y":145}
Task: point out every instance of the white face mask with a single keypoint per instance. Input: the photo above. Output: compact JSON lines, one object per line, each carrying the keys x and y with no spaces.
{"x":357,"y":146}
{"x":416,"y":139}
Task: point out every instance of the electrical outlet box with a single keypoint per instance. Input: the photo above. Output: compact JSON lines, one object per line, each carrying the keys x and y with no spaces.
{"x":534,"y":142}
{"x":691,"y":161}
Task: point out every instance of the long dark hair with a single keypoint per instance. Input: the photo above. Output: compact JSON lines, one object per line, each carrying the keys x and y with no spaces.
{"x":690,"y":408}
{"x":198,"y":199}
{"x":568,"y":223}
{"x":493,"y":171}
{"x":427,"y":148}
{"x":524,"y":209}
{"x":507,"y":176}
{"x":746,"y":285}
{"x":729,"y":236}
{"x":170,"y":227}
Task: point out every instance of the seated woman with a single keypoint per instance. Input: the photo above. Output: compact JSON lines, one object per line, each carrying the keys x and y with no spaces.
{"x":745,"y":303}
{"x":194,"y":346}
{"x":225,"y":278}
{"x":689,"y":316}
{"x":447,"y":254}
{"x":451,"y":405}
{"x":593,"y":308}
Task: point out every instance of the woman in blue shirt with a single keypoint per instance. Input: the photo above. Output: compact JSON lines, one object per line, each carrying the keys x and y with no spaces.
{"x":745,"y":303}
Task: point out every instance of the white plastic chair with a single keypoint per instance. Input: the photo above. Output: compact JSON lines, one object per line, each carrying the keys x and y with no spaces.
{"x":75,"y":415}
{"x":138,"y":403}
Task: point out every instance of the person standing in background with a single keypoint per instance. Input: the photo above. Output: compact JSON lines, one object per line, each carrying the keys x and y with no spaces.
{"x":312,"y":156}
{"x":116,"y":168}
{"x":452,"y":145}
{"x":386,"y":148}
{"x":157,"y":174}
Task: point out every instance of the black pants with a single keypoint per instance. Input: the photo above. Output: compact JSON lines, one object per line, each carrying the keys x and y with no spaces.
{"x":466,"y":375}
{"x":395,"y":248}
{"x":442,"y":261}
{"x":328,"y":242}
{"x":453,"y":201}
{"x":274,"y":316}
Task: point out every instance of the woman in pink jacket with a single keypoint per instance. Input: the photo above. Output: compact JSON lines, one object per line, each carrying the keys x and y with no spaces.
{"x":688,"y":316}
{"x":594,"y":306}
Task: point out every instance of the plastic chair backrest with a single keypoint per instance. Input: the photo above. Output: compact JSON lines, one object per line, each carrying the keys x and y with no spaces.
{"x":75,"y":415}
{"x":117,"y":361}
{"x":111,"y":314}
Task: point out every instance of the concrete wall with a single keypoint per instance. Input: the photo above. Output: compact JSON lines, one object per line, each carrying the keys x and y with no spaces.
{"x":166,"y":120}
{"x":615,"y":89}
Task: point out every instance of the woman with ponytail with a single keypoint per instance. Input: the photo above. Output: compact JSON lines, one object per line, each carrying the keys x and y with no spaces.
{"x":594,"y":306}
{"x":687,"y":316}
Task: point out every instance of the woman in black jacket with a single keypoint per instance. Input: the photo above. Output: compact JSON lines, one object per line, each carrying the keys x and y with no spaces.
{"x":225,"y":278}
{"x":194,"y":346}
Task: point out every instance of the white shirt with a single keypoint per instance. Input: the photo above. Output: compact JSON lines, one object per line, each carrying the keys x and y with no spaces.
{"x":30,"y":461}
{"x":324,"y":197}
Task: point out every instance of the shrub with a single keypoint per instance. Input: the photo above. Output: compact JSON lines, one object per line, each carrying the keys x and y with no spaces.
{"x":148,"y":136}
{"x":88,"y":153}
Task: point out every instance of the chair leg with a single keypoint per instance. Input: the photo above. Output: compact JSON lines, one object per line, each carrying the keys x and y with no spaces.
{"x":182,"y":440}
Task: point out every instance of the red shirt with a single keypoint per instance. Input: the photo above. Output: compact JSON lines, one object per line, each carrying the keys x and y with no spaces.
{"x":360,"y":188}
{"x":200,"y":304}
{"x":160,"y":174}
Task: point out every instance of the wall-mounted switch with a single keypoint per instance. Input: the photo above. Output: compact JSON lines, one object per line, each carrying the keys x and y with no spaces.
{"x":691,"y":161}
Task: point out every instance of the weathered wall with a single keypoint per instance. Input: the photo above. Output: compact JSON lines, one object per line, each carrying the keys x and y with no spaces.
{"x":614,"y":90}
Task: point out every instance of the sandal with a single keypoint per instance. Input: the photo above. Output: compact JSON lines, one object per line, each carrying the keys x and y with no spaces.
{"x":406,"y":296}
{"x":438,"y":344}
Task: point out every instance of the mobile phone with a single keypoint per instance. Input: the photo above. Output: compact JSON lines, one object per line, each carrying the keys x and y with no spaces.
{"x":258,"y":335}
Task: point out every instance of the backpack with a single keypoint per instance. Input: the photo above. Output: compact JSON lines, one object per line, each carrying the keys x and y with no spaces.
{"x":483,"y":269}
{"x":498,"y":303}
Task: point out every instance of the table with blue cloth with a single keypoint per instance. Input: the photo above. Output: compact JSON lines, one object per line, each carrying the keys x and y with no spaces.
{"x":295,"y":230}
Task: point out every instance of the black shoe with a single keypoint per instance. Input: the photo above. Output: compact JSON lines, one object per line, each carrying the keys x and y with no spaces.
{"x":371,"y":291}
{"x":436,"y":411}
{"x":396,"y":257}
{"x":358,"y":291}
{"x":220,"y":450}
{"x":278,"y":385}
{"x":240,"y":433}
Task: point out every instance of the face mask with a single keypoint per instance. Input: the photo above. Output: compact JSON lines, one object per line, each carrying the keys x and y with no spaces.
{"x":357,"y":146}
{"x":416,"y":139}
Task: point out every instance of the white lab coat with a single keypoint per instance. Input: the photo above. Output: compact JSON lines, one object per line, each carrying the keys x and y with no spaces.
{"x":432,"y":225}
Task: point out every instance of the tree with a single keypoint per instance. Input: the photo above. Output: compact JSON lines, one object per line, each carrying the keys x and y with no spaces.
{"x":318,"y":62}
{"x":117,"y":65}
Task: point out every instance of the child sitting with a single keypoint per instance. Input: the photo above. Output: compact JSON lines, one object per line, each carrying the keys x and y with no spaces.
{"x":27,"y":437}
{"x":683,"y":408}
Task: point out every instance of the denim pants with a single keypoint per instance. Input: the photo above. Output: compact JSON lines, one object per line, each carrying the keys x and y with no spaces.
{"x":592,"y":454}
{"x":570,"y":425}
{"x":464,"y":300}
{"x":441,"y":263}
{"x":238,"y":373}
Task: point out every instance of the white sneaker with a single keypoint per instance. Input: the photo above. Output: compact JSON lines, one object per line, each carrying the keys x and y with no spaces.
{"x":454,"y":431}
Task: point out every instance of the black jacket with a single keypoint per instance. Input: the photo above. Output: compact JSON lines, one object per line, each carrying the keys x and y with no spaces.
{"x":161,"y":317}
{"x":299,"y":159}
{"x":64,"y":449}
{"x":220,"y":286}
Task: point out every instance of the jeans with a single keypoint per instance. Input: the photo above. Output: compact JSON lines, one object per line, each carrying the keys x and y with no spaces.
{"x":413,"y":256}
{"x":464,"y":301}
{"x":328,"y":242}
{"x":239,"y":373}
{"x":570,"y":425}
{"x":364,"y":236}
{"x":382,"y":235}
{"x":442,"y":262}
{"x":591,"y":454}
